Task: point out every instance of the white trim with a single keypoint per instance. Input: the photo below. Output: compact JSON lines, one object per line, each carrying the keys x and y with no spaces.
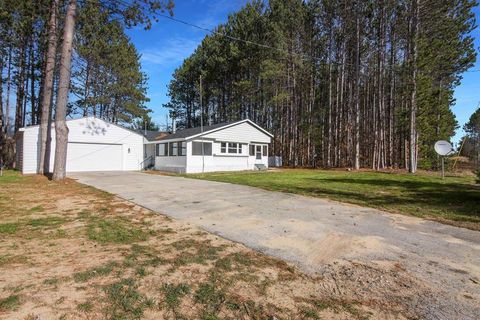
{"x":213,"y":130}
{"x":231,"y":125}
{"x":238,"y":155}
{"x":166,"y":140}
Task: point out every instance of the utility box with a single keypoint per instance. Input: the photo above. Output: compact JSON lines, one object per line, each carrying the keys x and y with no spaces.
{"x":275,"y":161}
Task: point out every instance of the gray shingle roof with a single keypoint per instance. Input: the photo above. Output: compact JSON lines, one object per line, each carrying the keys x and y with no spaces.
{"x":182,"y":134}
{"x":152,"y":135}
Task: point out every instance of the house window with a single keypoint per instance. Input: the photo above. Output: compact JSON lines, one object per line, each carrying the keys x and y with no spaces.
{"x":173,"y":147}
{"x":232,"y":147}
{"x":182,"y":148}
{"x":265,"y":151}
{"x":197,"y":148}
{"x":258,"y":152}
{"x":162,"y":149}
{"x":252,"y":150}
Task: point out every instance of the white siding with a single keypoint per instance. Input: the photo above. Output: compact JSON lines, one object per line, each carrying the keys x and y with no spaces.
{"x":91,"y":132}
{"x":222,"y":162}
{"x":174,"y":163}
{"x":30,"y":150}
{"x":243,"y":132}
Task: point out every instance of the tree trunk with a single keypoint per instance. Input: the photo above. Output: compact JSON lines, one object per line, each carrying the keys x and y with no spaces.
{"x":357,"y":100}
{"x":7,"y":99}
{"x":32,"y":84}
{"x":61,"y":129}
{"x":413,"y":99}
{"x":19,"y":119}
{"x":2,"y":124}
{"x":45,"y":119}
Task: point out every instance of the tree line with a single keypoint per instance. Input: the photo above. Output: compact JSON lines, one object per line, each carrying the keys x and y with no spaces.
{"x":65,"y":58}
{"x":340,"y":83}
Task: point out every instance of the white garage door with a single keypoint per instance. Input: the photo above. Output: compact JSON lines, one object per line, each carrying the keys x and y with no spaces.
{"x":93,"y":157}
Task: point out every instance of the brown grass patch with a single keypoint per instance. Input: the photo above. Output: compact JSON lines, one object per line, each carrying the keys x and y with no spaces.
{"x":73,"y":252}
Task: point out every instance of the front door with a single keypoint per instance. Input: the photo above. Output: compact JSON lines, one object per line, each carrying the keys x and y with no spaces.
{"x":258,"y":153}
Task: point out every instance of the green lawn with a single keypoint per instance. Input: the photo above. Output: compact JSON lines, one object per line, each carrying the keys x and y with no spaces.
{"x":454,"y":200}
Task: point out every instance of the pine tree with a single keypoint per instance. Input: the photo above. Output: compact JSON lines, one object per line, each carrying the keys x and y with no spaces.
{"x":338,"y":83}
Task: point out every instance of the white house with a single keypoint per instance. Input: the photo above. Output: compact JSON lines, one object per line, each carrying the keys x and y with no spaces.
{"x":241,"y":145}
{"x":97,"y":145}
{"x":93,"y":145}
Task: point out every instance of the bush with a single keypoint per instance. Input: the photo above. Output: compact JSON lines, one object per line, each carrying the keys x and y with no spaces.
{"x":477,"y":173}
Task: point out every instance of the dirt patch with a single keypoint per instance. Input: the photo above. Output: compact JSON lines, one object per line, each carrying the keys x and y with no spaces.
{"x":326,"y":250}
{"x":85,"y":254}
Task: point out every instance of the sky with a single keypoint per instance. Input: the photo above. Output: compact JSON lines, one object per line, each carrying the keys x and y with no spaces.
{"x":168,"y":43}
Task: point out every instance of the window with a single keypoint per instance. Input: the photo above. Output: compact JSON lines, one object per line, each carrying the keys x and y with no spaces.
{"x":182,"y":148}
{"x":231,"y":147}
{"x":197,"y":148}
{"x":172,"y":146}
{"x":162,"y":149}
{"x":252,"y":150}
{"x":259,"y":152}
{"x":265,"y":151}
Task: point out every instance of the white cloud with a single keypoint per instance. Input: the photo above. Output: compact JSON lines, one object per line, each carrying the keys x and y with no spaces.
{"x":171,"y":52}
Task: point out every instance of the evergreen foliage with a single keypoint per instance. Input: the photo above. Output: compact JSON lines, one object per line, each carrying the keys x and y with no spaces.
{"x":337,"y":80}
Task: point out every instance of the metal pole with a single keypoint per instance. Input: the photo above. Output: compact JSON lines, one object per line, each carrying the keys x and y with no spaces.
{"x":201,"y":125}
{"x":443,"y":167}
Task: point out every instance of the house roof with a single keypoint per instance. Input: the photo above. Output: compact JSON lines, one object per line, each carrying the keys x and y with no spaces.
{"x":197,"y":131}
{"x":151,"y":135}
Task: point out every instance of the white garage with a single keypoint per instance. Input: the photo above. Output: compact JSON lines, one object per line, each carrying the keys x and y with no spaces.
{"x":93,"y":145}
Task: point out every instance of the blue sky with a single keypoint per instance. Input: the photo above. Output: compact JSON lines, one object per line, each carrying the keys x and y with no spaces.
{"x":168,"y":43}
{"x":164,"y":47}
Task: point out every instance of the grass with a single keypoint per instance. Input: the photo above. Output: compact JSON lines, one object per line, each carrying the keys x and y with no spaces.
{"x":174,"y":294}
{"x":10,"y":303}
{"x":124,"y":300}
{"x":9,"y":228}
{"x":116,"y":261}
{"x":95,"y":272}
{"x":46,"y":222}
{"x":114,"y":231}
{"x":453,"y":200}
{"x":85,"y":307}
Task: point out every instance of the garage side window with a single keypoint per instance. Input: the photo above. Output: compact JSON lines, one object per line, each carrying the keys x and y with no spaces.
{"x":162,"y":150}
{"x":252,"y":150}
{"x":197,"y":148}
{"x":265,"y":151}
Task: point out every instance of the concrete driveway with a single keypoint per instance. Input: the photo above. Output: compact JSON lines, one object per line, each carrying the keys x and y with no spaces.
{"x":312,"y":232}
